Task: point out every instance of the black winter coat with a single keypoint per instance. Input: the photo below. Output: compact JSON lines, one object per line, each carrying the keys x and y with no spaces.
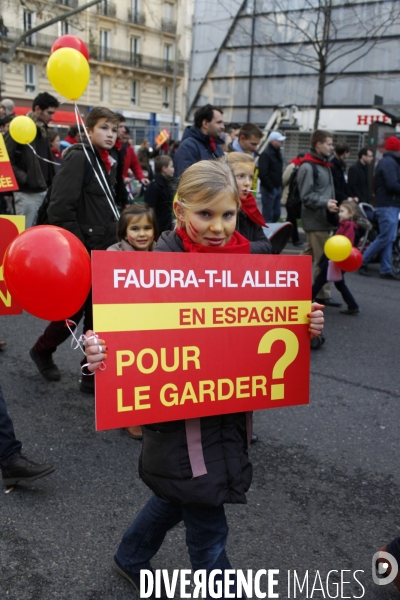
{"x":270,"y":168}
{"x":195,"y":146}
{"x":259,"y":244}
{"x":83,"y":210}
{"x":387,"y":180}
{"x":164,"y":462}
{"x":339,"y":179}
{"x":358,"y":182}
{"x":159,"y":197}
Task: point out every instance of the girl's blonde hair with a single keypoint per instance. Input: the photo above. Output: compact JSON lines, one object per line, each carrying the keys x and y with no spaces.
{"x":203,"y":181}
{"x":234,"y":158}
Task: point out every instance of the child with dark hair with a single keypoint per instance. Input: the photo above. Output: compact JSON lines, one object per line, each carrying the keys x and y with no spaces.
{"x":159,"y":194}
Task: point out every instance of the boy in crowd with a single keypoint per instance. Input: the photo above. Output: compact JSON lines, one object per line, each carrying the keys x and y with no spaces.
{"x":87,"y":208}
{"x":159,"y":195}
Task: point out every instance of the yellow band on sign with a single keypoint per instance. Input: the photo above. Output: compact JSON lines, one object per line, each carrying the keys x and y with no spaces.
{"x":3,"y":151}
{"x":195,"y":315}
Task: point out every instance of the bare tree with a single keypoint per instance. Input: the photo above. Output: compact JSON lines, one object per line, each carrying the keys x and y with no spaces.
{"x":8,"y":56}
{"x":326,"y":38}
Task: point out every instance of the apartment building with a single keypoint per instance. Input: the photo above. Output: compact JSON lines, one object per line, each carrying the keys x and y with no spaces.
{"x":139,"y":53}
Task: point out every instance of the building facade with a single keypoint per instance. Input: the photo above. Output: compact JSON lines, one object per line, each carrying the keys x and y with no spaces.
{"x":138,"y":57}
{"x":251,"y":56}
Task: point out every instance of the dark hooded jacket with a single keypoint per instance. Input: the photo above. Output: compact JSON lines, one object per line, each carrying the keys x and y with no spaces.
{"x":387,"y":181}
{"x":195,"y":146}
{"x":83,"y":209}
{"x":164,"y":463}
{"x":32,"y":174}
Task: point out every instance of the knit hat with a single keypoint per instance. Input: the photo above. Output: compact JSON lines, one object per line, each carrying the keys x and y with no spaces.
{"x":8,"y":106}
{"x":392,"y":143}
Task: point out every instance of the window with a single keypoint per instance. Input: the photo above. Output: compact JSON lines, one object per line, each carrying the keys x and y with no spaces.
{"x":168,"y":11}
{"x":167,"y":52}
{"x":135,"y":6}
{"x":30,"y":78}
{"x":63,"y":28}
{"x":104,"y":44}
{"x":105,"y":89}
{"x":135,"y":51}
{"x":135,"y":92}
{"x":166,"y":96}
{"x":29,"y":22}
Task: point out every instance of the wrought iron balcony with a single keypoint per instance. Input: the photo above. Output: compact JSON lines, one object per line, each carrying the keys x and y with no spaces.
{"x":107,"y":9}
{"x":168,"y":26}
{"x":137,"y":17}
{"x":140,"y":61}
{"x":68,"y":3}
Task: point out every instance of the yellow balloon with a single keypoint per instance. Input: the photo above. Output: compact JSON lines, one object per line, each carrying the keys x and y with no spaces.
{"x":23,"y":130}
{"x":338,"y":248}
{"x":68,"y":72}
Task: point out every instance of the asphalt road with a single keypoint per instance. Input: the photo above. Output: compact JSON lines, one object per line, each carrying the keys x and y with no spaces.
{"x":326,"y":476}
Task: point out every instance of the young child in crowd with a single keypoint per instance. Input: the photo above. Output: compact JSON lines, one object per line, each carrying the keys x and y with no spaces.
{"x":159,"y":194}
{"x":172,"y":457}
{"x":136,"y":231}
{"x":79,"y":204}
{"x":53,"y":138}
{"x":348,"y":214}
{"x":249,"y":219}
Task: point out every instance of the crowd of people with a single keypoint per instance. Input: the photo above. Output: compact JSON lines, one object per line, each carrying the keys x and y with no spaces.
{"x":199,"y":199}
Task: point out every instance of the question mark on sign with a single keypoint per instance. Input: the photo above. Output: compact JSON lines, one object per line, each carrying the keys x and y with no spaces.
{"x":291,"y":351}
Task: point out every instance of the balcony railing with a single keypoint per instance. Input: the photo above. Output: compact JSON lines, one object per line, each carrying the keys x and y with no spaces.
{"x":107,"y":9}
{"x":168,"y":26}
{"x":139,"y":61}
{"x":40,"y":41}
{"x":134,"y":16}
{"x":69,"y":3}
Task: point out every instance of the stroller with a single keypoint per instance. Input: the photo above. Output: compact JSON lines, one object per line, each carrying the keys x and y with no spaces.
{"x":368,"y":211}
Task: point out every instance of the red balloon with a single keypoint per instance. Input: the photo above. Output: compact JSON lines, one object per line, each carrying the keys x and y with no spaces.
{"x":70,"y":41}
{"x":352,"y":262}
{"x":47,"y":271}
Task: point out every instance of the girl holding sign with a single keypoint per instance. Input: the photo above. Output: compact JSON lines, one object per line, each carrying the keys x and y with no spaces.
{"x":195,"y":466}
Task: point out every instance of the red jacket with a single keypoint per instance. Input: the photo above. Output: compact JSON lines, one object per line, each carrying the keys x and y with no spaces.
{"x":131,"y":161}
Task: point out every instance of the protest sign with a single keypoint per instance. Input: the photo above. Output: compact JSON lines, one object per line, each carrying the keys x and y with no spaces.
{"x":10,"y":227}
{"x":8,"y":183}
{"x":192,"y":335}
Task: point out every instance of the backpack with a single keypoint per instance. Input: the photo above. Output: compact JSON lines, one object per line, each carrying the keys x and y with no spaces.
{"x":41,"y":215}
{"x":293,"y":202}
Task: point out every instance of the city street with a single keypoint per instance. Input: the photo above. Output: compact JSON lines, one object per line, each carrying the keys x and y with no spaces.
{"x":325,"y":491}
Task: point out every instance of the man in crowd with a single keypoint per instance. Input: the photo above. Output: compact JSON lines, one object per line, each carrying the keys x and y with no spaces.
{"x":387,"y":209}
{"x":338,"y":161}
{"x":359,"y":181}
{"x":270,"y":170}
{"x":248,"y":140}
{"x":202,"y":140}
{"x":33,"y":175}
{"x":231,"y":133}
{"x":317,"y":194}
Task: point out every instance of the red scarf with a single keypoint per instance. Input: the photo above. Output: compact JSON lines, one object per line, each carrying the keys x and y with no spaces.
{"x":296,"y":161}
{"x":118,"y":144}
{"x":319,"y":161}
{"x":56,"y":153}
{"x":236,"y":245}
{"x":249,"y":207}
{"x":105,"y":156}
{"x":213,"y":145}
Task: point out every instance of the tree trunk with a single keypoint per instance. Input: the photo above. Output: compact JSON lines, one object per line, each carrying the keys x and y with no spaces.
{"x":320,"y":94}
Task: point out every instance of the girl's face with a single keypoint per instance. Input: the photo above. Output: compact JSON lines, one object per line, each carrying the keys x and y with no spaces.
{"x":56,"y":143}
{"x":212,"y":226}
{"x":344,"y":214}
{"x":140,"y":233}
{"x":244,"y":178}
{"x":104,"y":134}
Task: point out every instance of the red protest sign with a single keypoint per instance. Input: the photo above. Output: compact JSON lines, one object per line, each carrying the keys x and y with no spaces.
{"x":192,"y":335}
{"x":10,"y":227}
{"x":8,"y":183}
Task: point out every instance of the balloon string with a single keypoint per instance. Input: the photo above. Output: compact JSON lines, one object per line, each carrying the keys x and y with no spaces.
{"x":41,"y":157}
{"x":107,"y":191}
{"x":80,"y":343}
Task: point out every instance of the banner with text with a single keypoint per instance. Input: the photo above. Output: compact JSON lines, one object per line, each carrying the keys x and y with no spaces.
{"x":8,"y":183}
{"x":192,"y":335}
{"x":10,"y":227}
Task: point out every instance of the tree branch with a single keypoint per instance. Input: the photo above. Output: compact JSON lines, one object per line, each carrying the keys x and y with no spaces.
{"x":7,"y":58}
